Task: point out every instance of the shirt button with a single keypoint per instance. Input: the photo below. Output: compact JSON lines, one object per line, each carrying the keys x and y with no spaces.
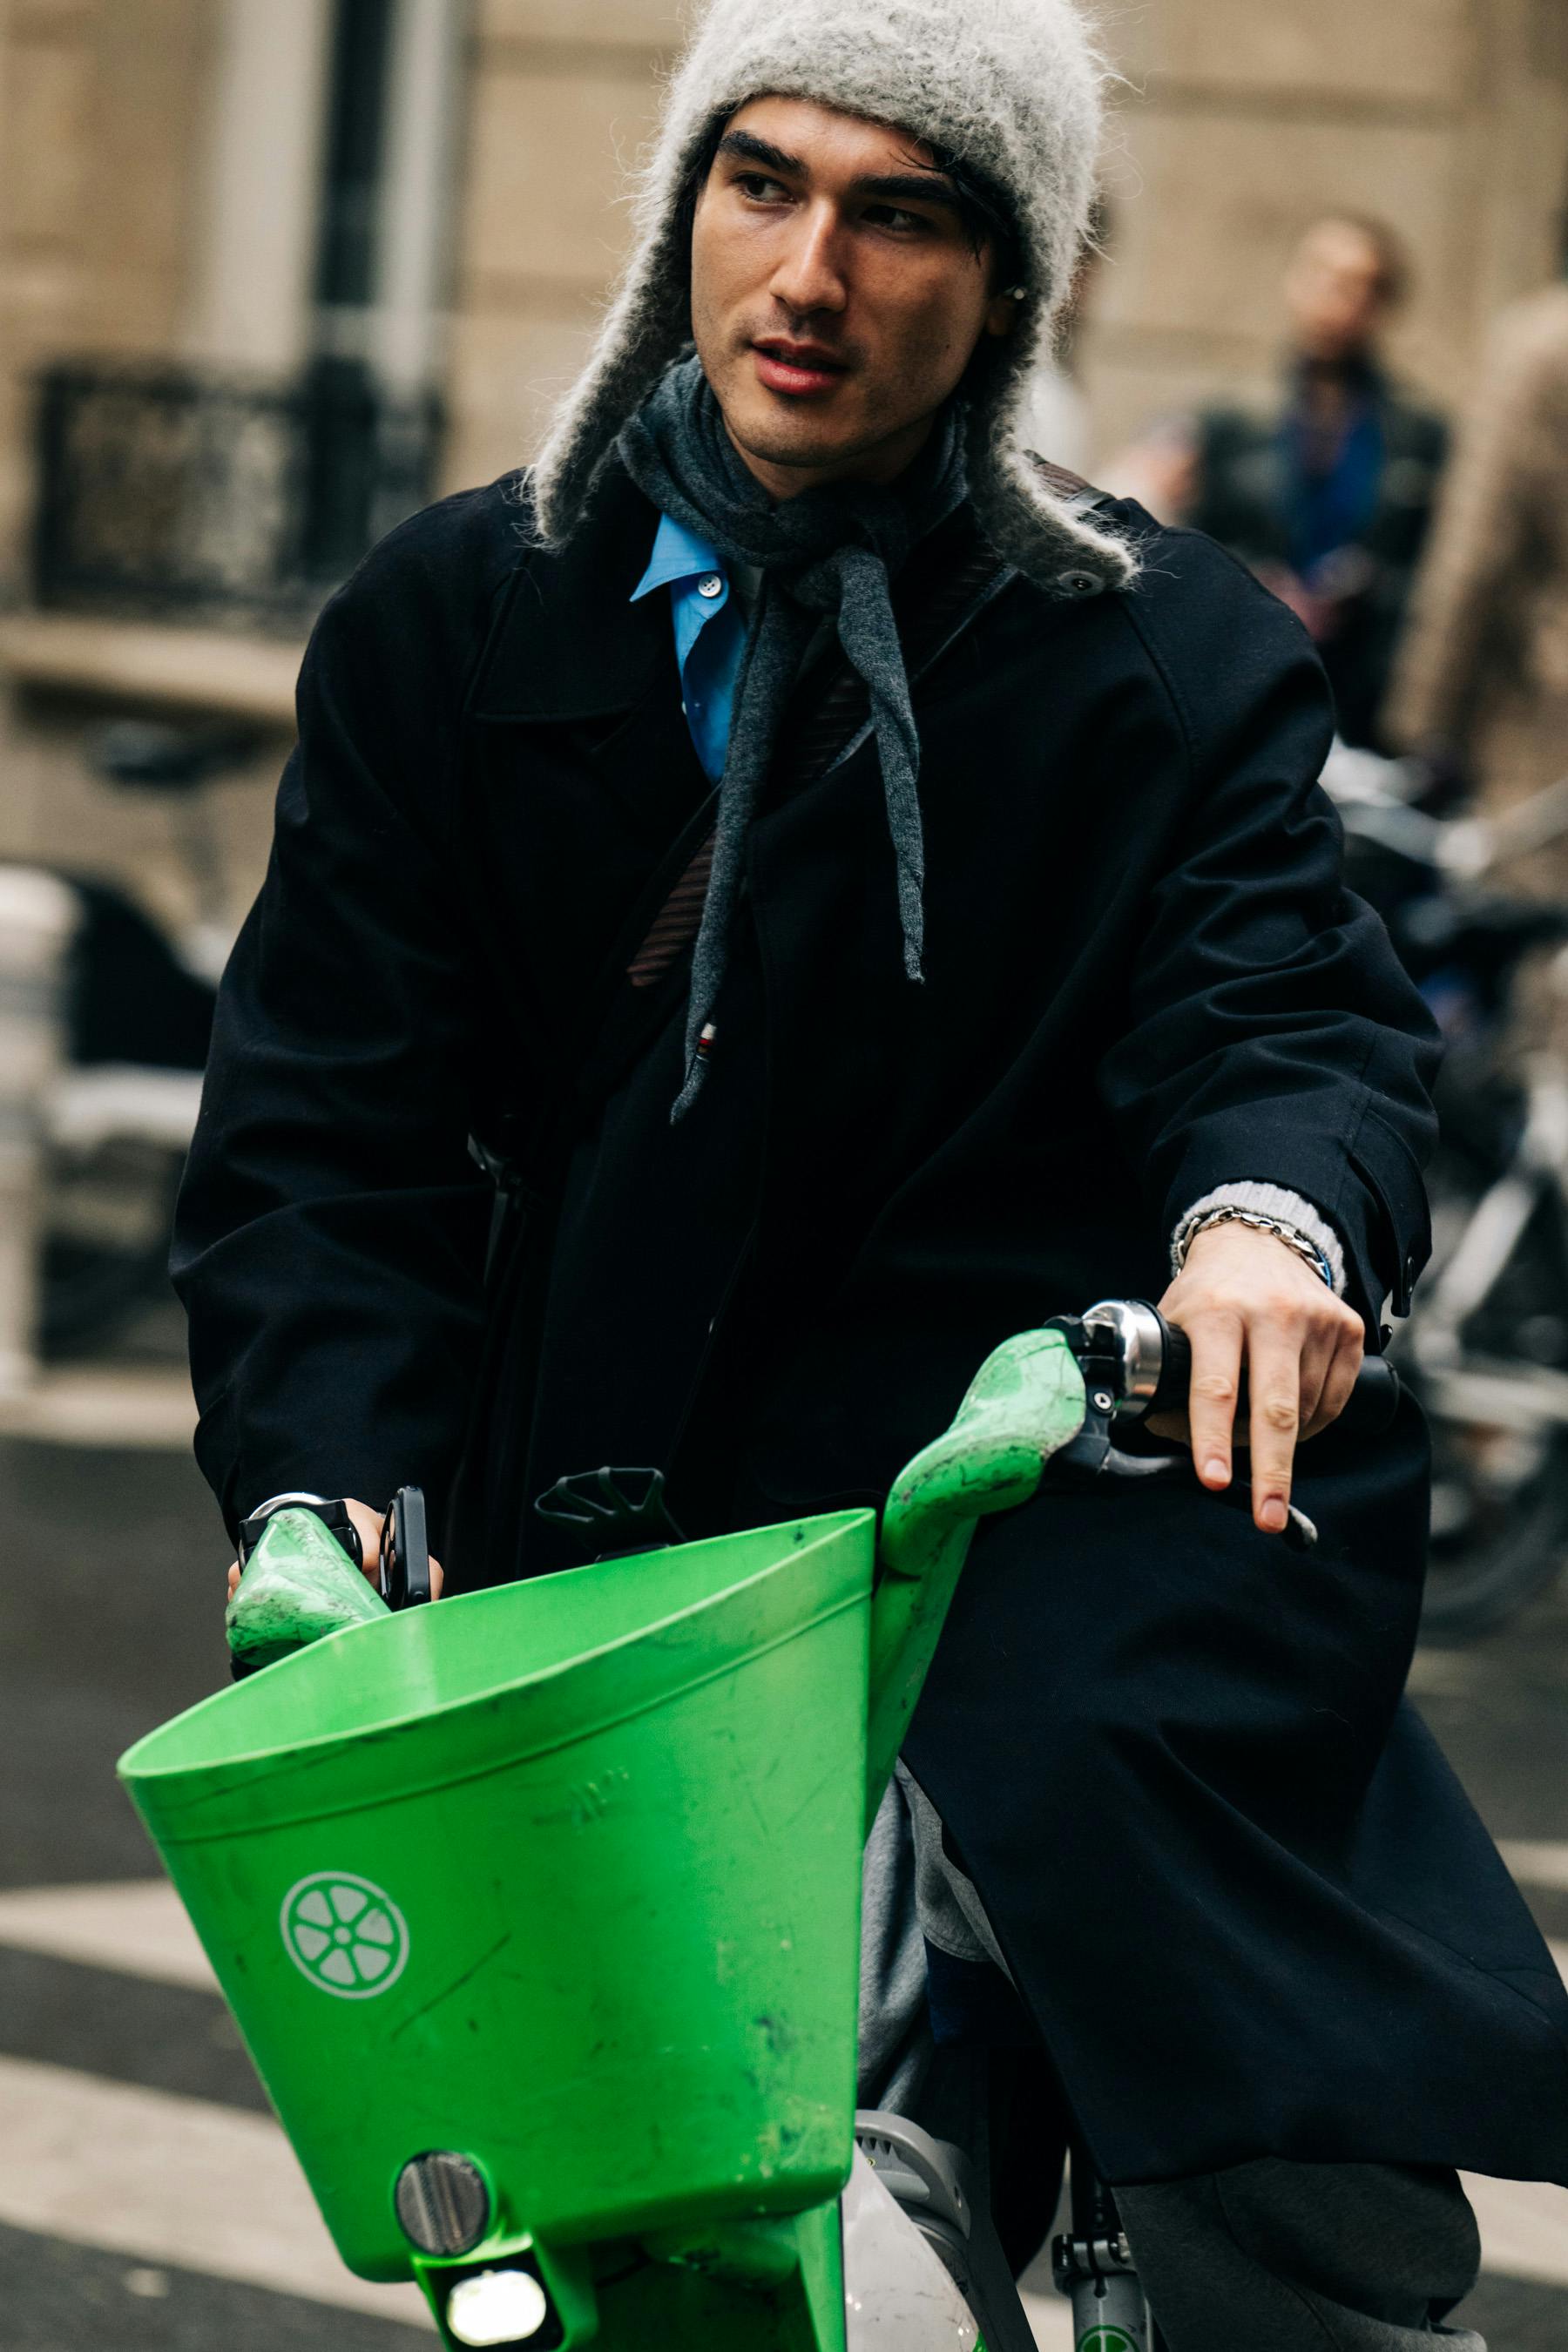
{"x":711,"y":587}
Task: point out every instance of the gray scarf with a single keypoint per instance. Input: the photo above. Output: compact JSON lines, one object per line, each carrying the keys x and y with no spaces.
{"x":832,"y":553}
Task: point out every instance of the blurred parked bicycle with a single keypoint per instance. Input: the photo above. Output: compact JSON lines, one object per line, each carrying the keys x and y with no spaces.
{"x":1486,"y":1347}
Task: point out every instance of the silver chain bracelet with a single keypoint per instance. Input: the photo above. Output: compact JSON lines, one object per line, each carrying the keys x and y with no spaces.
{"x":1259,"y":1223}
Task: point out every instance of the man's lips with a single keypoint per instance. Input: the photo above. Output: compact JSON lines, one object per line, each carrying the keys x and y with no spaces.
{"x":799,"y":368}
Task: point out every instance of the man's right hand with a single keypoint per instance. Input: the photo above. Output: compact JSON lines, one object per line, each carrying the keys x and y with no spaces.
{"x":370,"y":1525}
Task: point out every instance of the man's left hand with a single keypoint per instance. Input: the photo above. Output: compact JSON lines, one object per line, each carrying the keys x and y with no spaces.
{"x":371,"y":1525}
{"x":1246,"y":1301}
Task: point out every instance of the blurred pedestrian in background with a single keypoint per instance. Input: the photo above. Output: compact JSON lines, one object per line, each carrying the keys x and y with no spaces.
{"x":1482,"y":686}
{"x":1330,"y":499}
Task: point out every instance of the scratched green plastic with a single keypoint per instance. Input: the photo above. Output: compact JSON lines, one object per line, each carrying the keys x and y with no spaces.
{"x":299,"y":1586}
{"x":610,"y":1826}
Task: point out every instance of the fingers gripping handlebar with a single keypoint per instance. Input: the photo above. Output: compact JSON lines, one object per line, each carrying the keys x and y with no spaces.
{"x":1150,"y":1365}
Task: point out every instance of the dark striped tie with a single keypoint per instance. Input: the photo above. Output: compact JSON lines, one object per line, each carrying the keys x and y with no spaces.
{"x":677,"y":922}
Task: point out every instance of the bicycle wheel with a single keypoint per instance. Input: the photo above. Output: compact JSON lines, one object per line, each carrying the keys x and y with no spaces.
{"x":1499,"y":1476}
{"x":1500,"y":1524}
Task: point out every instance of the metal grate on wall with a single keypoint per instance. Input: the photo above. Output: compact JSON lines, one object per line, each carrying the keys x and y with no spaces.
{"x":168,"y":494}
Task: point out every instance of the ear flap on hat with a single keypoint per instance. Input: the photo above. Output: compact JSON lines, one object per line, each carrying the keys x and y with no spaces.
{"x":645,"y":330}
{"x":1044,"y":533}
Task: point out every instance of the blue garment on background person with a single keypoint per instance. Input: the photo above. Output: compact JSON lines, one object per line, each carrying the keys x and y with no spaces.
{"x":710,"y":634}
{"x":1332,"y":507}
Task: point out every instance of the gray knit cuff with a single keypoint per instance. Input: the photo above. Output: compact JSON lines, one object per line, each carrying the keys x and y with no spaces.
{"x":1266,"y":1201}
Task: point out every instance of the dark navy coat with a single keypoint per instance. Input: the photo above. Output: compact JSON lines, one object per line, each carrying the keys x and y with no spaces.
{"x":1248,"y":1910}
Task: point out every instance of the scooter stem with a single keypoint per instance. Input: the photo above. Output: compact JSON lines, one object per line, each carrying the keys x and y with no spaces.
{"x":1028,"y":1402}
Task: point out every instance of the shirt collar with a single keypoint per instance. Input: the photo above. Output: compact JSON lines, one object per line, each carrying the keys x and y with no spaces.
{"x":678,"y":555}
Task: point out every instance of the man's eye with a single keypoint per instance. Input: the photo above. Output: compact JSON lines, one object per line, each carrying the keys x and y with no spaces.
{"x":893,"y":216}
{"x":760,"y":188}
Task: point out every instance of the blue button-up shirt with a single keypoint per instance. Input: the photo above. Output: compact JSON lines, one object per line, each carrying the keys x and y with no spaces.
{"x":710,"y":634}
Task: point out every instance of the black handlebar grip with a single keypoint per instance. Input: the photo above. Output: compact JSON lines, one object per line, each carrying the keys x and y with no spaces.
{"x":1374,"y":1401}
{"x":1370,"y":1412}
{"x":405,"y":1551}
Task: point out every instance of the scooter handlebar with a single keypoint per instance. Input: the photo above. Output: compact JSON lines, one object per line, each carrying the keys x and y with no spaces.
{"x":1370,"y":1412}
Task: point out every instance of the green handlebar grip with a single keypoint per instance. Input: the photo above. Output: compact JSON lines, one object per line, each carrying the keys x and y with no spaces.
{"x":1028,"y":1402}
{"x":299,"y":1585}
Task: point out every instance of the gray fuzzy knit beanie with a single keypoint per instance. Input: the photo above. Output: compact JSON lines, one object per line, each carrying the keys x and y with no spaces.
{"x":1012,"y":88}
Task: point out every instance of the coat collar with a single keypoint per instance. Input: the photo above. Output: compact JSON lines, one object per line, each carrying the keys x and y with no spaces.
{"x":569,"y":643}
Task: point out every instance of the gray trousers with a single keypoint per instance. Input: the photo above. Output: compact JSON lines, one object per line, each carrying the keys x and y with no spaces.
{"x":1269,"y":2257}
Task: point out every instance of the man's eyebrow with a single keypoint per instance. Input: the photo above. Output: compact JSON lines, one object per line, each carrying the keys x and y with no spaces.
{"x":909,"y":187}
{"x":752,"y":150}
{"x":889,"y":187}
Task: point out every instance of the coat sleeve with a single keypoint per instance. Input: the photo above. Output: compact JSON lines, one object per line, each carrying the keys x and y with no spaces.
{"x":330,"y":1238}
{"x":1273,"y":1037}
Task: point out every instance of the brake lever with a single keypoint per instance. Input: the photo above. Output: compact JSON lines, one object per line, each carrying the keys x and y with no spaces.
{"x":1092,"y":1455}
{"x":1299,"y":1533}
{"x":405,"y":1580}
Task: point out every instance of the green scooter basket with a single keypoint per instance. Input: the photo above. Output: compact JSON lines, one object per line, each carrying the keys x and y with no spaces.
{"x":564,"y":1875}
{"x":564,"y":1878}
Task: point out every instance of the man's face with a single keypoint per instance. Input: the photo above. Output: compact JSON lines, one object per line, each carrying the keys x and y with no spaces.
{"x":836,"y":297}
{"x":1337,"y":292}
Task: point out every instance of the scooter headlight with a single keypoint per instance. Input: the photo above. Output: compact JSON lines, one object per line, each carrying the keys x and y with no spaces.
{"x":498,"y":2307}
{"x":443,"y":2205}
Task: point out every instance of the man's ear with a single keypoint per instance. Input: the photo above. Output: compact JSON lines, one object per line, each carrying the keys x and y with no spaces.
{"x":1001,"y":317}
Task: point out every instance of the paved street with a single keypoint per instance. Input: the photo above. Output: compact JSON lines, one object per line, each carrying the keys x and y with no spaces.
{"x":147,"y":2202}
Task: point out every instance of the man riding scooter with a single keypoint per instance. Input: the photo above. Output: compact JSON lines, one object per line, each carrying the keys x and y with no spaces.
{"x":862,"y":893}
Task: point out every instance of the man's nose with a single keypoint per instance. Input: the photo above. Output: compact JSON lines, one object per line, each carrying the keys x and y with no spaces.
{"x":810,"y":275}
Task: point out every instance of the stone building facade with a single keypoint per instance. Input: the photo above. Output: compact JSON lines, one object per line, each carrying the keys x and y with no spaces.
{"x":162,"y":191}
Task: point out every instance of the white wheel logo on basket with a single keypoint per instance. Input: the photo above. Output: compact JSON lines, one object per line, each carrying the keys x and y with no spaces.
{"x":345,"y":1934}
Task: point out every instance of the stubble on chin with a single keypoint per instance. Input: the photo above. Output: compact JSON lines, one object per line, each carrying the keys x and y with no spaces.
{"x":789,"y":442}
{"x":776,"y":433}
